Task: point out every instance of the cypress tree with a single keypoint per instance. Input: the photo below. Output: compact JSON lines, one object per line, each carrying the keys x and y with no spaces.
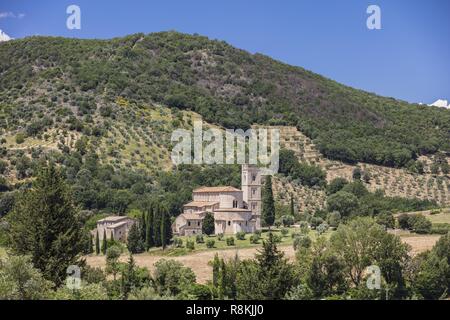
{"x":97,"y":243}
{"x":44,"y":225}
{"x":268,"y":203}
{"x":292,"y":207}
{"x":90,"y":248}
{"x":156,"y":225}
{"x":216,"y":270}
{"x":149,"y":237}
{"x":166,"y":231}
{"x":134,"y":243}
{"x":105,"y":242}
{"x":143,"y":227}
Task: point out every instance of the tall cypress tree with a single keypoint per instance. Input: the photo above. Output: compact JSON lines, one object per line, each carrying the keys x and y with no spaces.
{"x":268,"y":203}
{"x":44,"y":224}
{"x":90,"y":248}
{"x":216,"y":270}
{"x":143,"y":227}
{"x":157,"y":225}
{"x":149,"y":237}
{"x":105,"y":242}
{"x":97,"y":243}
{"x":292,"y":207}
{"x":166,"y":230}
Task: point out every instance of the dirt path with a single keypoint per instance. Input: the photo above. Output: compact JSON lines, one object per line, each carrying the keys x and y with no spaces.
{"x":198,"y":262}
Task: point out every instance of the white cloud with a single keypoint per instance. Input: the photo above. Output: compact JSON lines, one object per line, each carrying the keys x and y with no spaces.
{"x":9,"y":14}
{"x":441,"y":104}
{"x":4,"y":36}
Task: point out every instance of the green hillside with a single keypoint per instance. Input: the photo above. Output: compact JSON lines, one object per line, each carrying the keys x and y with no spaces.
{"x":77,"y":84}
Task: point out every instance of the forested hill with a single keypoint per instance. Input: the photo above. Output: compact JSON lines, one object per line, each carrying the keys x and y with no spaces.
{"x":225,"y":85}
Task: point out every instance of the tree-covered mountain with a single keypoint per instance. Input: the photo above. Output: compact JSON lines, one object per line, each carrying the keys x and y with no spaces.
{"x":51,"y":82}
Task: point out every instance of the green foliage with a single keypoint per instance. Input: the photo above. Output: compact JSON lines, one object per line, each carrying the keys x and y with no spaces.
{"x":308,"y":175}
{"x":386,"y":219}
{"x":44,"y":224}
{"x":208,"y":224}
{"x":343,"y":202}
{"x":287,"y":220}
{"x":172,"y":277}
{"x":199,"y":239}
{"x":230,"y":241}
{"x":210,"y":243}
{"x":415,"y":222}
{"x":268,"y":203}
{"x":254,"y":238}
{"x":135,"y":243}
{"x":240,"y":235}
{"x":20,"y":280}
{"x":190,"y":245}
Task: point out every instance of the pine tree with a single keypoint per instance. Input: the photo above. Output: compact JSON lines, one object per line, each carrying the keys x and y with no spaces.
{"x":268,"y":203}
{"x":149,"y":236}
{"x":44,"y":225}
{"x":130,"y":279}
{"x":97,"y":244}
{"x":166,"y":231}
{"x":105,"y":243}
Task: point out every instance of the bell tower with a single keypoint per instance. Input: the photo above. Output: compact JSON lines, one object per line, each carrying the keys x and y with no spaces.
{"x":252,"y":180}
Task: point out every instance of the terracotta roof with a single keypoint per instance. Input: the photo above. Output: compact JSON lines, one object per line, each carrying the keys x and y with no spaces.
{"x":193,"y":216}
{"x":230,"y":216}
{"x":200,"y":204}
{"x":232,"y":210}
{"x":113,"y":219}
{"x":217,"y":189}
{"x":117,"y":225}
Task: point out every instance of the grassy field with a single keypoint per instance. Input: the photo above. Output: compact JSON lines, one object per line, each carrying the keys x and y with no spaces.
{"x":443,"y":217}
{"x":286,"y":240}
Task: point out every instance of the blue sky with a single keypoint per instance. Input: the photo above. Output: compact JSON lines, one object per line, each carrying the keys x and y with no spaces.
{"x":409,"y":58}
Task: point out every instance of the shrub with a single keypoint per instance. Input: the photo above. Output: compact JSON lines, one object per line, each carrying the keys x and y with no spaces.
{"x":190,"y":244}
{"x":403,"y":221}
{"x":220,"y":236}
{"x":199,"y":239}
{"x":287,"y":220}
{"x":334,"y":219}
{"x":240,"y":235}
{"x":302,"y":241}
{"x":440,"y":228}
{"x":210,"y":243}
{"x":230,"y":241}
{"x":322,"y":228}
{"x":276,"y":238}
{"x":178,"y":242}
{"x":386,"y":219}
{"x":20,"y":138}
{"x":258,"y":232}
{"x":254,"y":238}
{"x":284,"y":232}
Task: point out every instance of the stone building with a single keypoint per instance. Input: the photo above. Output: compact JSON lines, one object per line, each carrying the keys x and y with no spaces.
{"x":234,"y":210}
{"x":115,"y":226}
